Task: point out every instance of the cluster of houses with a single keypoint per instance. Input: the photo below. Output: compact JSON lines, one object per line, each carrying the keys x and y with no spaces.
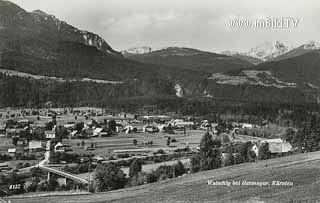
{"x":125,"y":122}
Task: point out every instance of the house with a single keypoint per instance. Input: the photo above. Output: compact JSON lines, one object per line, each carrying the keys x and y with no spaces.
{"x":35,"y":145}
{"x":99,"y":132}
{"x":276,"y":146}
{"x":4,"y":167}
{"x":13,"y":132}
{"x":162,"y":127}
{"x":2,"y":130}
{"x":247,"y":125}
{"x":128,"y":129}
{"x":150,"y":129}
{"x":205,"y":125}
{"x":59,"y":147}
{"x":12,"y":151}
{"x":69,"y":126}
{"x":119,"y":128}
{"x":73,"y":134}
{"x":50,"y":134}
{"x":255,"y":149}
{"x":23,"y":122}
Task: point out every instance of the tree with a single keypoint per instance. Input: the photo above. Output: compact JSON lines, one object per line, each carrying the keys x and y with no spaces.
{"x":210,"y":155}
{"x":112,"y":125}
{"x":135,"y":168}
{"x":195,"y":163}
{"x":49,"y":125}
{"x":168,"y":141}
{"x":225,"y":138}
{"x":15,"y":141}
{"x":79,"y":126}
{"x":109,"y":177}
{"x":135,"y":142}
{"x":61,"y":133}
{"x":229,"y":159}
{"x":139,"y":179}
{"x":52,"y":184}
{"x":245,"y":152}
{"x":289,"y":135}
{"x":264,"y":152}
{"x":179,"y":169}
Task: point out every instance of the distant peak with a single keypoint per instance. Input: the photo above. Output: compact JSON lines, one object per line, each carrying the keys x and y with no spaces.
{"x":311,"y":45}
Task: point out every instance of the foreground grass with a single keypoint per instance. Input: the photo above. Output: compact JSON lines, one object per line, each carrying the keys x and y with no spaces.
{"x":302,"y":170}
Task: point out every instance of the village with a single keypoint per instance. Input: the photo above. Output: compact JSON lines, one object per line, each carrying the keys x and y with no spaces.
{"x":68,"y":143}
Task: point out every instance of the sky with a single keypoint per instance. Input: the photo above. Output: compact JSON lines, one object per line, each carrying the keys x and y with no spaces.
{"x":201,"y":24}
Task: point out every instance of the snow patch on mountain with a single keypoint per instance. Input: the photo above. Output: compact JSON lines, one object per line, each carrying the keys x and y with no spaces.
{"x":268,"y":50}
{"x":265,"y":52}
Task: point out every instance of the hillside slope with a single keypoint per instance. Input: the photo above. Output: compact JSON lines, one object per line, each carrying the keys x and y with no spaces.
{"x":302,"y":170}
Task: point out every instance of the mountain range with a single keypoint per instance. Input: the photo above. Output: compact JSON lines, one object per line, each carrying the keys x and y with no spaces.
{"x":269,"y":51}
{"x":45,"y":59}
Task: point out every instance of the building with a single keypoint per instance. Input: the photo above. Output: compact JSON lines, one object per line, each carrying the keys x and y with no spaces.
{"x":35,"y":145}
{"x":276,"y":146}
{"x":50,"y":134}
{"x":59,"y":147}
{"x":247,"y":125}
{"x":150,"y":129}
{"x":4,"y":167}
{"x":14,"y":132}
{"x":12,"y":151}
{"x":99,"y":132}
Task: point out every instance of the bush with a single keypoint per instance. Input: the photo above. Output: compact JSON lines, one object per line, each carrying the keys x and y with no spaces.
{"x":264,"y":152}
{"x":139,"y":179}
{"x":179,"y":169}
{"x":135,"y":168}
{"x":109,"y":177}
{"x":160,"y":151}
{"x":195,"y":163}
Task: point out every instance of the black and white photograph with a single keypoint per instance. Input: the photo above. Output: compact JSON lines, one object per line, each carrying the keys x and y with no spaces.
{"x":159,"y":101}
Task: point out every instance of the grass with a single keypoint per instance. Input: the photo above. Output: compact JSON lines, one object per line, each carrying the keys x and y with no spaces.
{"x":302,"y":170}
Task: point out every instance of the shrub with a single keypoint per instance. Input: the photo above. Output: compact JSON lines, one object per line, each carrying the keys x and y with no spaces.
{"x":109,"y":177}
{"x":135,"y":168}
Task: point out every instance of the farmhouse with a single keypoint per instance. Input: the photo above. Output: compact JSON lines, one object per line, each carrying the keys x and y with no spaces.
{"x":276,"y":146}
{"x":2,"y":130}
{"x":12,"y":151}
{"x":50,"y":134}
{"x":150,"y":129}
{"x":247,"y":125}
{"x":128,"y":129}
{"x":4,"y":167}
{"x":14,"y":132}
{"x":180,"y":123}
{"x":35,"y":145}
{"x":59,"y":147}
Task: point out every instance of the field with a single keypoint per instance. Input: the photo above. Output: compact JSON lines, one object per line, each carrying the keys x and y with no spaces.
{"x":125,"y":141}
{"x":302,"y":170}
